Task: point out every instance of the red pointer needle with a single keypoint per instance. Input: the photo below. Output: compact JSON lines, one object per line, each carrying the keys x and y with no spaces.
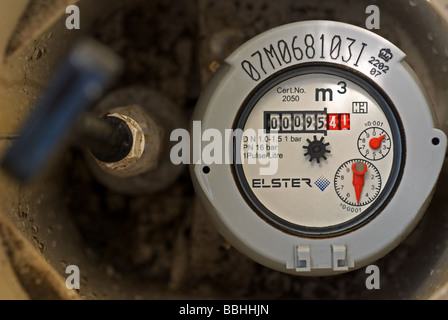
{"x":375,"y":143}
{"x":359,"y":169}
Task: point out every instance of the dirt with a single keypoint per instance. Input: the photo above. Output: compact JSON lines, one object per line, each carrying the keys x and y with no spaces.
{"x":37,"y":16}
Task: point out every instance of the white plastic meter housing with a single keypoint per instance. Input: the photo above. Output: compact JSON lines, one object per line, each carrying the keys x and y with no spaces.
{"x":330,"y":148}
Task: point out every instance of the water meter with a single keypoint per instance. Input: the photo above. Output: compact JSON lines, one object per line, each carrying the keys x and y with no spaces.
{"x":330,"y":148}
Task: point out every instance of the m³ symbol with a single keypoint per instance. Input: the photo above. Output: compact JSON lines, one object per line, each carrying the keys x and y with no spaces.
{"x":324,"y":94}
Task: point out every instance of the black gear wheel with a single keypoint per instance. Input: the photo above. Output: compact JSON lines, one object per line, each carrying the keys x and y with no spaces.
{"x":316,"y":149}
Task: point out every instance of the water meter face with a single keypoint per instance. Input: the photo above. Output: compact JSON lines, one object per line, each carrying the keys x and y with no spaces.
{"x":336,"y":144}
{"x":334,"y":151}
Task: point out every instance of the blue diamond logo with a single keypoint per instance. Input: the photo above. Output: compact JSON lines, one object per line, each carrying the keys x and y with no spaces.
{"x":322,"y":183}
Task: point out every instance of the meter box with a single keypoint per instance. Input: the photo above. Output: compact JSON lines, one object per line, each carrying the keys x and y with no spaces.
{"x":333,"y":153}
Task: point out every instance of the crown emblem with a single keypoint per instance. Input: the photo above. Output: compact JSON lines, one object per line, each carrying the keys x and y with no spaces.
{"x":385,"y":54}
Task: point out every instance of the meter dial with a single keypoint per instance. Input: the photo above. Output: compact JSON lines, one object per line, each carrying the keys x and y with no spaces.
{"x":357,"y":182}
{"x":374,"y":143}
{"x":299,"y":127}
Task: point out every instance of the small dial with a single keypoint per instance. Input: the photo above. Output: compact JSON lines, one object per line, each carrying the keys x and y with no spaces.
{"x":374,"y":143}
{"x":357,"y":182}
